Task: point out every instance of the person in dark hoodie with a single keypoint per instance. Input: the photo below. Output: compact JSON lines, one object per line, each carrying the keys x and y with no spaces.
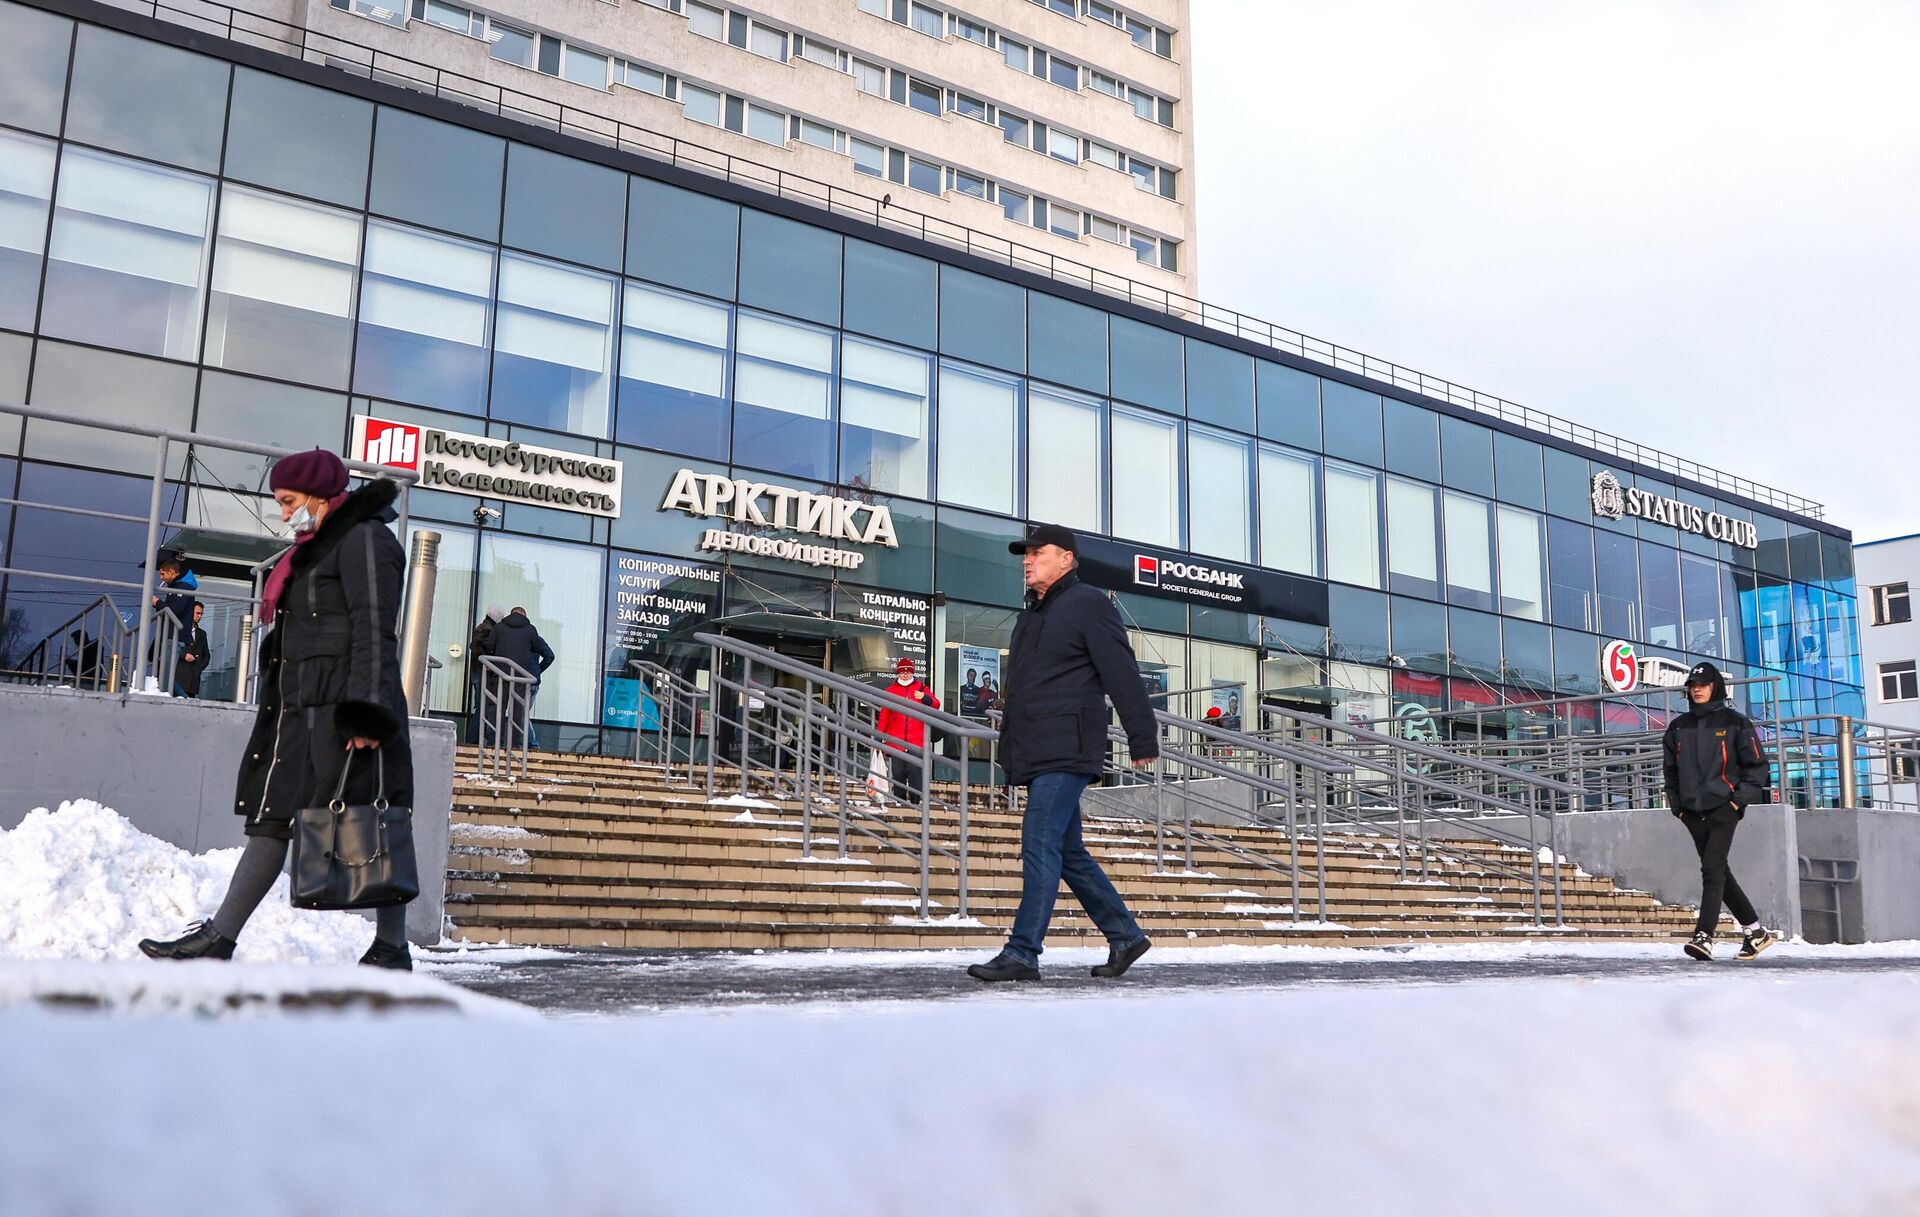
{"x":1069,"y":655}
{"x":330,"y":695}
{"x":1714,"y":772}
{"x":515,"y":638}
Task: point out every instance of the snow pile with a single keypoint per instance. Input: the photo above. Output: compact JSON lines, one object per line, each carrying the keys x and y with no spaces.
{"x":214,"y":990}
{"x":1567,"y":1096}
{"x":84,"y":883}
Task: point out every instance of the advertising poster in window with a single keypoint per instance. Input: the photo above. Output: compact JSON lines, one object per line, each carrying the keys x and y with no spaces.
{"x":649,"y":598}
{"x":1225,"y":698}
{"x":979,"y":680}
{"x":905,"y":619}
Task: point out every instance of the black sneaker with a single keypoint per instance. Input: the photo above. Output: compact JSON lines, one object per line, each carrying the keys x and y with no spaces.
{"x":201,"y":941}
{"x":1003,"y":967}
{"x":1755,"y":941}
{"x":380,"y":955}
{"x":1700,"y":946}
{"x":1119,"y":959}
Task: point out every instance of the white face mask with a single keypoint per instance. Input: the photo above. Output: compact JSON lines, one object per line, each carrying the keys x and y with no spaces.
{"x":302,"y":520}
{"x":904,"y":679}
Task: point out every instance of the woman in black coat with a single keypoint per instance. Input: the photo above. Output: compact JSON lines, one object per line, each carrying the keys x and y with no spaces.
{"x":329,"y":691}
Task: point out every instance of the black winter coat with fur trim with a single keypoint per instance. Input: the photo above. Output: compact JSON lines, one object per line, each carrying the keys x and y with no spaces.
{"x":330,"y":670}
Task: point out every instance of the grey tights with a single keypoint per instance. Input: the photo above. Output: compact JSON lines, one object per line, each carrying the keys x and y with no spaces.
{"x":260,"y":865}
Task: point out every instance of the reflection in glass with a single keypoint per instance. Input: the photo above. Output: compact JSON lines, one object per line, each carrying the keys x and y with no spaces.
{"x":555,"y":583}
{"x":979,"y":417}
{"x":424,"y":305}
{"x":553,"y":346}
{"x":1222,"y":498}
{"x":26,"y":192}
{"x":128,"y":255}
{"x":1064,"y":486}
{"x":783,"y":398}
{"x":883,"y":418}
{"x":673,"y":372}
{"x":1146,"y":473}
{"x":1660,"y":595}
{"x":1413,"y":539}
{"x":283,"y":282}
{"x":1570,"y":571}
{"x":1469,"y":552}
{"x":1617,"y":579}
{"x":1700,"y":594}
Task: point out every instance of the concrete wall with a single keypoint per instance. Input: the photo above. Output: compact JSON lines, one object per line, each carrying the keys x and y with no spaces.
{"x":1885,"y":904}
{"x":168,"y":765}
{"x":1650,"y":851}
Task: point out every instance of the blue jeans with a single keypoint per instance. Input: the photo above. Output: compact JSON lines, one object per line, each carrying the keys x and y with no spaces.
{"x":1051,"y":850}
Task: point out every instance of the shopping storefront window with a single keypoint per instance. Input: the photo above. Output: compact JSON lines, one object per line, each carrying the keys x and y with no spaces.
{"x":1064,"y":483}
{"x":1523,"y":591}
{"x":425,"y":307}
{"x":979,"y":418}
{"x":283,"y":289}
{"x":553,"y":346}
{"x":26,"y":194}
{"x":1352,"y":515}
{"x":1289,"y":514}
{"x":1413,"y":548}
{"x":1146,"y":468}
{"x":783,"y":397}
{"x":673,"y":372}
{"x":559,"y":587}
{"x":127,"y":261}
{"x":883,"y":418}
{"x":1220,"y":490}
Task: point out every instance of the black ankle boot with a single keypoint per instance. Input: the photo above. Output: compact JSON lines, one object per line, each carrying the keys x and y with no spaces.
{"x":201,"y":941}
{"x":381,"y":955}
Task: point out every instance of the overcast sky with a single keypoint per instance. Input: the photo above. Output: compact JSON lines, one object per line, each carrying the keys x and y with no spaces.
{"x":1694,"y":224}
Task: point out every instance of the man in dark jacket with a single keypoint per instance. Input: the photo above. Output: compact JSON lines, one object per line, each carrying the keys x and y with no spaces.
{"x":1714,"y":772}
{"x":195,"y":655}
{"x":516,"y":639}
{"x":1069,"y":655}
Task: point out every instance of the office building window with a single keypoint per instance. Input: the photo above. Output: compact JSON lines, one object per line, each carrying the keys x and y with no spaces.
{"x":283,"y":288}
{"x":1700,"y":593}
{"x":1351,"y":509}
{"x":510,"y":45}
{"x":1891,"y":604}
{"x":767,"y":126}
{"x":127,"y":259}
{"x":924,"y":176}
{"x":1413,"y":544}
{"x":1146,"y":477}
{"x":553,"y":346}
{"x":26,"y":194}
{"x":1289,"y":511}
{"x":1063,"y":485}
{"x":1523,"y":568}
{"x":979,"y":418}
{"x":1016,"y":130}
{"x":584,"y":67}
{"x":1219,"y":476}
{"x":700,"y":105}
{"x":707,"y":21}
{"x":883,"y":418}
{"x":1899,"y":681}
{"x":1617,"y":580}
{"x":1570,"y":592}
{"x":929,"y":21}
{"x":673,"y":372}
{"x":425,"y":312}
{"x":783,"y":398}
{"x":1469,"y":551}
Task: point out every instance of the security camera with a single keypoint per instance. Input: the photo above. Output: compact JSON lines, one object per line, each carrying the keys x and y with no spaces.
{"x":482,"y":514}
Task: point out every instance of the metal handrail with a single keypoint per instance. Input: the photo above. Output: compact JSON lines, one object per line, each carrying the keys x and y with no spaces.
{"x":671,"y":693}
{"x":345,"y":54}
{"x":506,"y":716}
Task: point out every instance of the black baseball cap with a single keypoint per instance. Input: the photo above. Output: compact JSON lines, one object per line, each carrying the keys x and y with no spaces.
{"x":1046,"y":534}
{"x":1703,"y":674}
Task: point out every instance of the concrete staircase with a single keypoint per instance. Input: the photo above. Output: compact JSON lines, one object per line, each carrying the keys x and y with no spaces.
{"x":596,"y":852}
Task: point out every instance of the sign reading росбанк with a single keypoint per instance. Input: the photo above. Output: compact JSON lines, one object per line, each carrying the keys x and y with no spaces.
{"x":1611,"y":501}
{"x":491,"y":468}
{"x":783,"y":508}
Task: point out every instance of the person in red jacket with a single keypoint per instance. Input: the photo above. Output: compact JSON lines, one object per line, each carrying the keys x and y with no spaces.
{"x":904,"y":767}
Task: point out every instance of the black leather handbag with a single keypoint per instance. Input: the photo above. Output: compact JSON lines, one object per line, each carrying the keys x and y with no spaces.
{"x":354,"y":855}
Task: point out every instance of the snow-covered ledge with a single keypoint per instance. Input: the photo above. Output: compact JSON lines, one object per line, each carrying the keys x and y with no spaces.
{"x":168,"y":765}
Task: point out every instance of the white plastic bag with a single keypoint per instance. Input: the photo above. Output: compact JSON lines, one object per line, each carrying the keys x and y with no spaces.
{"x":879,"y":779}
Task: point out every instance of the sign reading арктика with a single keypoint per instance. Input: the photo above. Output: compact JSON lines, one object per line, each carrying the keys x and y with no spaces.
{"x":491,"y":468}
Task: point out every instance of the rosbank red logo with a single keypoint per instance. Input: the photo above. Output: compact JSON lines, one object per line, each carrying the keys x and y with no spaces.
{"x":1146,"y":571}
{"x":395,"y":444}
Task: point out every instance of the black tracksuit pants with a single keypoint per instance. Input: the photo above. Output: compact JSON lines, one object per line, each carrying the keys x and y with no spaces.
{"x":1712,"y":833}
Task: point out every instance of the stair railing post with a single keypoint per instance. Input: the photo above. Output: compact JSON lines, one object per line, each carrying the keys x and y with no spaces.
{"x":745,"y":737}
{"x":961,"y":907}
{"x":805,"y":781}
{"x":926,"y":841}
{"x":841,"y":721}
{"x":713,"y":716}
{"x":1159,"y":814}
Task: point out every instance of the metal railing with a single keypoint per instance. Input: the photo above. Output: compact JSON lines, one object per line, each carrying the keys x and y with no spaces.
{"x":144,"y":654}
{"x":814,"y":739}
{"x":506,"y":716}
{"x":89,"y":650}
{"x":679,"y":705}
{"x":267,"y":32}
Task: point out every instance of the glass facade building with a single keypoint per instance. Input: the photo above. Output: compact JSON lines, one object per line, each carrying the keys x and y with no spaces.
{"x":280,"y":248}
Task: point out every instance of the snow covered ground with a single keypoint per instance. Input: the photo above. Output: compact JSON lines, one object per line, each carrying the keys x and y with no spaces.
{"x":1724,"y":1089}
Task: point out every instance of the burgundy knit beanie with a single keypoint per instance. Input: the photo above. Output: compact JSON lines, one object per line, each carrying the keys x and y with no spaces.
{"x":318,"y":472}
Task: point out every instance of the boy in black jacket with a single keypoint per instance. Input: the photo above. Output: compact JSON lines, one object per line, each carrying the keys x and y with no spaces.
{"x":1714,"y":772}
